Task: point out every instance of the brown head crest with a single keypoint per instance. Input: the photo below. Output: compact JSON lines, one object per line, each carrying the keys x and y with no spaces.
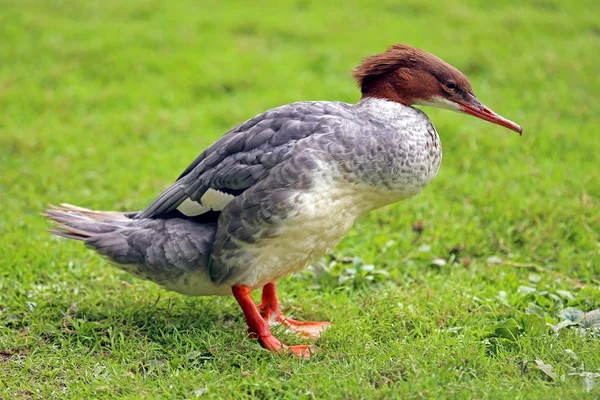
{"x":407,"y":75}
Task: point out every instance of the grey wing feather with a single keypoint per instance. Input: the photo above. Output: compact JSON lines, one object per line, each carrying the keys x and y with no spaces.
{"x":245,"y":155}
{"x":160,"y":249}
{"x":155,"y":249}
{"x":258,"y":213}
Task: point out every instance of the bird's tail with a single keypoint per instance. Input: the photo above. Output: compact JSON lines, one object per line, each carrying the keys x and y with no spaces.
{"x":155,"y":246}
{"x":79,"y":223}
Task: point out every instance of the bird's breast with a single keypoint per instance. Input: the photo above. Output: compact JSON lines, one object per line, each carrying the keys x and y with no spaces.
{"x":414,"y":160}
{"x":385,"y":162}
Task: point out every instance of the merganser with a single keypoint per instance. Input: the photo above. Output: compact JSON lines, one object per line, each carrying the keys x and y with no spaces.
{"x":283,"y":188}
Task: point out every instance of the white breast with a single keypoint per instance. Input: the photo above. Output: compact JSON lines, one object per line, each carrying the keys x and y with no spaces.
{"x":323,"y":217}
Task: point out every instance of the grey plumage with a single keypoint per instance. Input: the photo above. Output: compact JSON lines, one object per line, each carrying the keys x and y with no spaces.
{"x":156,"y":249}
{"x":288,"y":184}
{"x":246,"y":154}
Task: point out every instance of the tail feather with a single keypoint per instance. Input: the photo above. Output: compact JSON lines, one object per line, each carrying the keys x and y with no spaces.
{"x":80,"y":223}
{"x":64,"y":234}
{"x":85,"y":212}
{"x":160,"y":248}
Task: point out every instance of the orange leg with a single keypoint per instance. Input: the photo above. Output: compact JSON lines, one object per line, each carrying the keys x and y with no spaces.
{"x":260,"y":329}
{"x":271,"y":313}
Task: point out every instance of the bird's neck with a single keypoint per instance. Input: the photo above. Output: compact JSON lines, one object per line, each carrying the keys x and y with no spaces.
{"x":385,"y":109}
{"x":402,"y":150}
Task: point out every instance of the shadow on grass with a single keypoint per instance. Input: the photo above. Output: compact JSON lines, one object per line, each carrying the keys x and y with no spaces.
{"x":174,"y":326}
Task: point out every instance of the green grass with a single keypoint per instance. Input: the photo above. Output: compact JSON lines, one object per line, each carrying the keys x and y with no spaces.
{"x":103,"y":103}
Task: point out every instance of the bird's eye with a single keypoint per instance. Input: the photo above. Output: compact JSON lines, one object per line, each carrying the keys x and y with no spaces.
{"x":451,"y":85}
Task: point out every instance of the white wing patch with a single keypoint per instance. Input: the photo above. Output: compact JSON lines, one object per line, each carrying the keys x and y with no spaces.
{"x":213,"y":199}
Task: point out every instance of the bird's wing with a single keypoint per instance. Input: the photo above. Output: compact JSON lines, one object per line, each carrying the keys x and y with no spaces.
{"x":277,"y":208}
{"x":241,"y":158}
{"x":262,"y":212}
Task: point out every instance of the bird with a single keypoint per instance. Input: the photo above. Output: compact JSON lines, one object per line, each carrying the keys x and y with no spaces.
{"x":283,"y":188}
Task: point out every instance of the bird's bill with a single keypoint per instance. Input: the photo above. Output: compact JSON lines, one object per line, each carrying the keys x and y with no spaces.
{"x":476,"y":109}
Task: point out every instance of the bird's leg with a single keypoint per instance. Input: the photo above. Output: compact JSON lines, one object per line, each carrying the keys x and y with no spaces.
{"x":271,"y":313}
{"x":269,"y":306}
{"x":260,"y":329}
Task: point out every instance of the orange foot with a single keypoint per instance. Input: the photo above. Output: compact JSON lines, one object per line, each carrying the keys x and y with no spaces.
{"x":271,"y":313}
{"x":271,"y":343}
{"x":306,"y":329}
{"x":258,"y":326}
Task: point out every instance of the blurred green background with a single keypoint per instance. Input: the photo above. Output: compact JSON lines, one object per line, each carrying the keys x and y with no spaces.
{"x":104,"y":103}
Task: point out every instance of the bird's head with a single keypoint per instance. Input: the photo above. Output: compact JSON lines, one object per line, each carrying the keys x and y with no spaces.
{"x":411,"y":76}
